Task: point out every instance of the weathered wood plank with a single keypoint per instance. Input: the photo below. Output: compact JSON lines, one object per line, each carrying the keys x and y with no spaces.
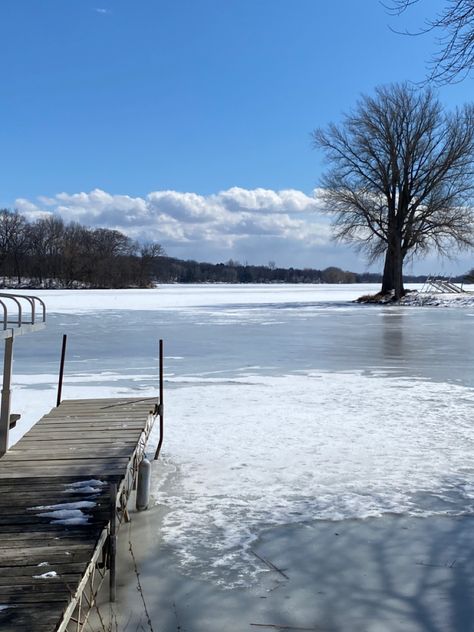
{"x":70,"y":433}
{"x":29,"y":516}
{"x":34,"y":616}
{"x":29,"y":571}
{"x":39,"y":540}
{"x":96,"y":443}
{"x":101,"y":424}
{"x":47,"y":469}
{"x":64,"y":463}
{"x":19,"y":585}
{"x":81,"y":472}
{"x":31,"y":449}
{"x":79,"y":453}
{"x":81,"y":440}
{"x":26,"y":482}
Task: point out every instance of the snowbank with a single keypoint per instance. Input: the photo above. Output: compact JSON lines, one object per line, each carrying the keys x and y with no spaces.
{"x":438,"y":299}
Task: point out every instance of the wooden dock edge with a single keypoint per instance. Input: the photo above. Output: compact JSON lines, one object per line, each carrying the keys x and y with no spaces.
{"x":76,"y":615}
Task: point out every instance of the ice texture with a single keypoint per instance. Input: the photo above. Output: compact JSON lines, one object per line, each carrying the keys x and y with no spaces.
{"x":266,"y":451}
{"x":268,"y":418}
{"x":81,"y":504}
{"x":174,"y":296}
{"x":66,"y":516}
{"x":90,"y":486}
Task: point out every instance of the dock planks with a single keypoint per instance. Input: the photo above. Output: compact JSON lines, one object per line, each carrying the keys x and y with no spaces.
{"x":99,"y":441}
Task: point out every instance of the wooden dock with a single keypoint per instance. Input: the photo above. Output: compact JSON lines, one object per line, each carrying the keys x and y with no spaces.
{"x":64,"y":489}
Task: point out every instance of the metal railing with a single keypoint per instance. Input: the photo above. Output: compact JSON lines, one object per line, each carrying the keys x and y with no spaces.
{"x":442,"y":285}
{"x":76,"y":615}
{"x":22,"y":313}
{"x":20,"y":317}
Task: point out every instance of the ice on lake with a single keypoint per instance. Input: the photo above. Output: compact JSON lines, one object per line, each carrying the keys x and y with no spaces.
{"x":283,"y":404}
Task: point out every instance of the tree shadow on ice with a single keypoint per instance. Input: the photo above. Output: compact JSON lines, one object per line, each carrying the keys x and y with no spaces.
{"x":393,"y":573}
{"x":390,"y":574}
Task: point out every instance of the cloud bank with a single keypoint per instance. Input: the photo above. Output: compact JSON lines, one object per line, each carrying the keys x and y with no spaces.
{"x":248,"y":225}
{"x":255,"y":225}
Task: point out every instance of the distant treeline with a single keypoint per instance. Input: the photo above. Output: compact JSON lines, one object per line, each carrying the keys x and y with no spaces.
{"x":169,"y":270}
{"x":51,"y":253}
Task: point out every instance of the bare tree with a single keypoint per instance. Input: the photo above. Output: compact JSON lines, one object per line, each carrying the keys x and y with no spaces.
{"x":14,"y":241}
{"x":113,"y":243}
{"x":401,"y":177}
{"x":455,"y":23}
{"x":152,"y":250}
{"x":51,"y":252}
{"x":46,"y":236}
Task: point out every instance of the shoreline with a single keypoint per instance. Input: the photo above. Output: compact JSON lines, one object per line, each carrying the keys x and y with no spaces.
{"x":184,"y":296}
{"x":416,"y":298}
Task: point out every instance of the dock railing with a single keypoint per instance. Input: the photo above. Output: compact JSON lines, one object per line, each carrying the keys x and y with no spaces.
{"x":20,"y":311}
{"x":442,"y":285}
{"x":19,"y":314}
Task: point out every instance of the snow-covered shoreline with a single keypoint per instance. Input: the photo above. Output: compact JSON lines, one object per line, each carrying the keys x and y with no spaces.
{"x":438,"y":299}
{"x":181,"y":297}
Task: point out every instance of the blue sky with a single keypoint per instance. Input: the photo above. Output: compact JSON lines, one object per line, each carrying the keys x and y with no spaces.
{"x":185,"y":120}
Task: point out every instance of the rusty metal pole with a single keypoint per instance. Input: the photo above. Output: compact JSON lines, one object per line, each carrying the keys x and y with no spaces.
{"x":6,"y":394}
{"x":61,"y":370}
{"x":161,"y":409}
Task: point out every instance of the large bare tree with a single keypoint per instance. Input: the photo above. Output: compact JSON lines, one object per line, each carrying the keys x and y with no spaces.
{"x":455,"y":26}
{"x":401,"y":177}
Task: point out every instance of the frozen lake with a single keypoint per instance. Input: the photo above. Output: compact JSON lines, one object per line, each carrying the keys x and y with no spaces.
{"x":284,"y":404}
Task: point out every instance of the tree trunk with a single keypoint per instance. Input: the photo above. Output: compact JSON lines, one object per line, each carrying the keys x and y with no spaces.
{"x":398,"y":272}
{"x":392,"y":280}
{"x":387,"y":279}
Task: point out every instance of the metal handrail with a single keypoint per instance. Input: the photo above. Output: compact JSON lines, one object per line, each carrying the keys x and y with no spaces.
{"x":19,"y":320}
{"x":18,"y":326}
{"x":43,"y":306}
{"x":14,"y":298}
{"x":5,"y":314}
{"x":30,"y":300}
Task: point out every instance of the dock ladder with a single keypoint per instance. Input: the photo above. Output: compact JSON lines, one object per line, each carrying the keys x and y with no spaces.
{"x":442,"y":285}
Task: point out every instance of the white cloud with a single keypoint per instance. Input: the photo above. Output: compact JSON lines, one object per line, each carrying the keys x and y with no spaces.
{"x":254,"y":225}
{"x":26,"y":207}
{"x":186,"y":207}
{"x":266,"y":200}
{"x":102,"y":11}
{"x":29,"y":210}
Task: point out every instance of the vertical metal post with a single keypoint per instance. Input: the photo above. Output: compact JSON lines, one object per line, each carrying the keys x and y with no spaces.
{"x":113,"y":541}
{"x":6,"y":393}
{"x":61,"y":370}
{"x":161,"y":409}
